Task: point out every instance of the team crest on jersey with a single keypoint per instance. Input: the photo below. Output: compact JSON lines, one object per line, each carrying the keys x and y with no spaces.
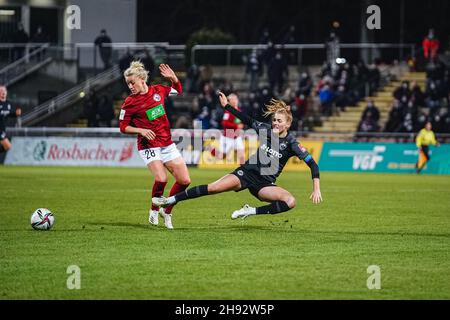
{"x":283,"y":146}
{"x":156,"y":97}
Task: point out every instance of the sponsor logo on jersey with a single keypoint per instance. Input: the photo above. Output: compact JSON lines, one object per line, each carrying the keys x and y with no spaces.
{"x":271,"y":152}
{"x":156,"y":112}
{"x":240,"y":172}
{"x":156,"y":97}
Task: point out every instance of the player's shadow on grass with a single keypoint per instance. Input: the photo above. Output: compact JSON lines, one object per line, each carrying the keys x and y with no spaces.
{"x":237,"y":228}
{"x":121,"y":224}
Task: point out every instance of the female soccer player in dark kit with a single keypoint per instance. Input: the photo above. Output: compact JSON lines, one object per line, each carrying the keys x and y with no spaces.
{"x":260,"y":171}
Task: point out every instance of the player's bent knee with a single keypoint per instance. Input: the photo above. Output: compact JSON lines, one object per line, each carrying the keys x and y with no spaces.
{"x":184,"y":182}
{"x":161,"y":178}
{"x":291,"y":202}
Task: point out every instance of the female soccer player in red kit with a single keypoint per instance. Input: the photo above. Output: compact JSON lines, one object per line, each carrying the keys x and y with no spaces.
{"x":143,"y":113}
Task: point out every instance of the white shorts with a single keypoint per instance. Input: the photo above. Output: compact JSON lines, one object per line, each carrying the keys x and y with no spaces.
{"x":163,"y":154}
{"x":227,"y":144}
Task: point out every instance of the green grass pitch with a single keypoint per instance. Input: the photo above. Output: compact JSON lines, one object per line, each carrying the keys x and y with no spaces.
{"x":400,"y":223}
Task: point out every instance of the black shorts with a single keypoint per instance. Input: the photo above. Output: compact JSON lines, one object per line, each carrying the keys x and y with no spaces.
{"x":426,"y":152}
{"x":251,"y":181}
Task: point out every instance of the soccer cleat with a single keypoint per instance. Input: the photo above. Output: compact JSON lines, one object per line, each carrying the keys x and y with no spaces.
{"x":244,"y":212}
{"x":167,"y":218}
{"x":153,"y":217}
{"x":161,"y":201}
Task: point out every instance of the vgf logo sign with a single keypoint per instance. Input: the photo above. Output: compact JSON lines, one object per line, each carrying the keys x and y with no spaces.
{"x":362,"y":159}
{"x":368,"y":160}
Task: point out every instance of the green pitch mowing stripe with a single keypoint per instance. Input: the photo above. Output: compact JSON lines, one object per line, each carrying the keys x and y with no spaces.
{"x":399,"y":223}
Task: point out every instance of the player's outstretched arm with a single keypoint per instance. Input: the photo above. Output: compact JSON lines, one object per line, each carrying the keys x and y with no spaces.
{"x":242,"y":116}
{"x":316,"y":195}
{"x":168,"y":73}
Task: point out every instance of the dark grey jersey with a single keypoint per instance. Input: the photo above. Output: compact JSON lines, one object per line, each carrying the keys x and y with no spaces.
{"x":273,"y":152}
{"x":6,"y":110}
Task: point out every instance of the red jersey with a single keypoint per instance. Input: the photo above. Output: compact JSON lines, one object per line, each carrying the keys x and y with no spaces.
{"x":147,"y":111}
{"x":230,"y":121}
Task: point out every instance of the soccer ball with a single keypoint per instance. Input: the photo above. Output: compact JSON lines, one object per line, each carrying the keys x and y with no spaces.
{"x":42,"y":219}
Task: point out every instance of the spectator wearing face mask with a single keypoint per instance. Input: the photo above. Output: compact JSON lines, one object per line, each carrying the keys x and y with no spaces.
{"x":402,"y":91}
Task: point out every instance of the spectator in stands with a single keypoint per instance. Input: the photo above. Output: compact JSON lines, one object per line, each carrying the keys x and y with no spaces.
{"x":305,"y":84}
{"x":203,"y":119}
{"x":332,"y":45}
{"x":424,"y":139}
{"x":7,"y":110}
{"x":39,"y":38}
{"x":341,"y":98}
{"x":268,"y":55}
{"x":277,"y":72}
{"x":192,"y":79}
{"x":90,"y":109}
{"x":21,"y":38}
{"x":105,"y":110}
{"x":409,"y":123}
{"x":433,"y":97}
{"x":402,"y":91}
{"x":290,"y":37}
{"x":207,"y":98}
{"x":326,"y":96}
{"x":374,"y":78}
{"x":104,"y":42}
{"x":265,"y":36}
{"x":371,"y":111}
{"x":395,"y":120}
{"x":206,"y":75}
{"x":430,"y":46}
{"x":255,"y":69}
{"x":367,"y":124}
{"x":417,"y":96}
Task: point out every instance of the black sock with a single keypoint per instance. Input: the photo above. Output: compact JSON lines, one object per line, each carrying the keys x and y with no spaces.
{"x":194,"y":192}
{"x":2,"y":149}
{"x":273,"y":208}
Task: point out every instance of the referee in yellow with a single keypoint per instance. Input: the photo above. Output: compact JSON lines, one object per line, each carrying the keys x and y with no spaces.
{"x":423,"y":140}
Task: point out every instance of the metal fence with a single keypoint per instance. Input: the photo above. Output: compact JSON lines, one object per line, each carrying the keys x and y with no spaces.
{"x":234,"y":54}
{"x":307,"y":135}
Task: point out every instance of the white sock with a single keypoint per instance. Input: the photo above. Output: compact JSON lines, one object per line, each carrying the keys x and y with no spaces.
{"x":252,"y":210}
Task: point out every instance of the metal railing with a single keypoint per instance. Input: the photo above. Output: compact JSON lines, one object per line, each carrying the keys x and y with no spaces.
{"x":299,"y":47}
{"x":71,"y":96}
{"x":88,"y":55}
{"x":305,"y":135}
{"x":22,"y":67}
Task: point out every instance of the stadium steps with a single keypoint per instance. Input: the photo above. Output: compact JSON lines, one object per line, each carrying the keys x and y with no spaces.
{"x":348,"y":120}
{"x":80,"y":123}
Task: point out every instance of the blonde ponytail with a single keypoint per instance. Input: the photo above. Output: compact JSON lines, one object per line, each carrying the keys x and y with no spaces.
{"x":137,"y":69}
{"x":278,"y":106}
